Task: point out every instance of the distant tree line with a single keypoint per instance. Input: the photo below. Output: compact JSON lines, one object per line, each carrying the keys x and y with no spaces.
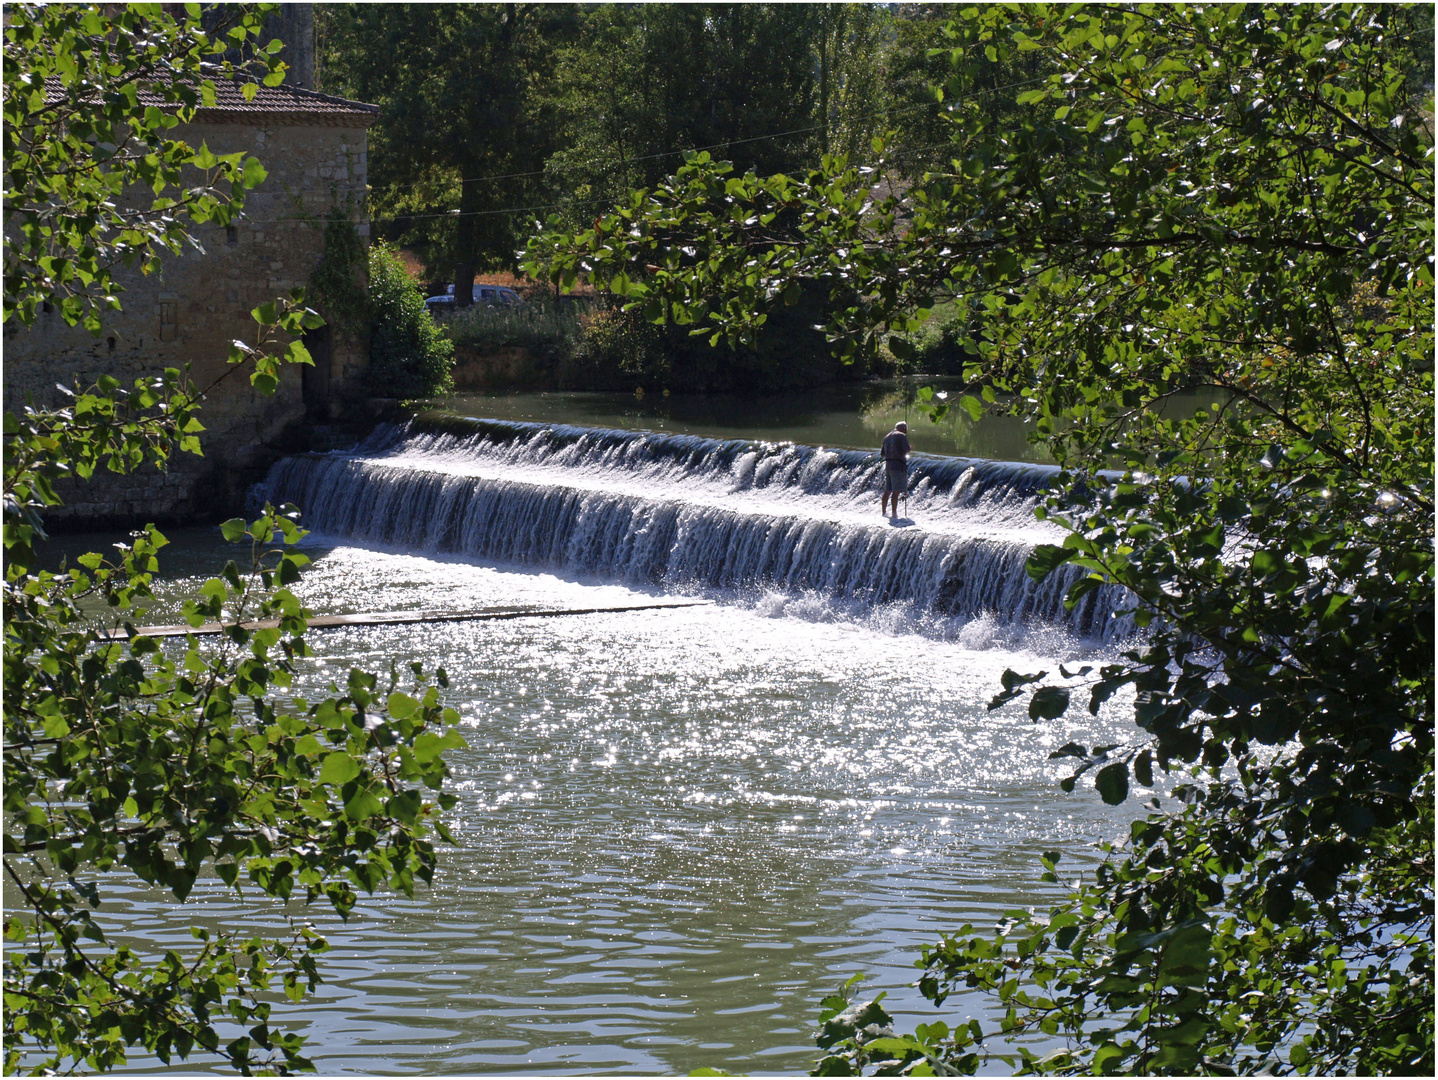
{"x":495,"y":115}
{"x":498,"y":116}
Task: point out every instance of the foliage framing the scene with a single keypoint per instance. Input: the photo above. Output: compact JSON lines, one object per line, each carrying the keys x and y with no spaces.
{"x":1234,"y":201}
{"x":125,"y":759}
{"x":92,"y":104}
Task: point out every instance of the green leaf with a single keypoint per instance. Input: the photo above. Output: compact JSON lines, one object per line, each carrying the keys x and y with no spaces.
{"x":405,"y":807}
{"x":289,"y":570}
{"x":55,"y":727}
{"x":1048,"y":703}
{"x":1107,"y":1053}
{"x":363,"y":803}
{"x":1112,"y":782}
{"x":401,"y":706}
{"x":1143,"y":768}
{"x":429,"y":745}
{"x":1187,"y":955}
{"x":1356,"y":819}
{"x":1045,"y":559}
{"x":339,"y":768}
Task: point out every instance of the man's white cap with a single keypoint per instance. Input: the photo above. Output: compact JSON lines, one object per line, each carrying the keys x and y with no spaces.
{"x":901,"y":426}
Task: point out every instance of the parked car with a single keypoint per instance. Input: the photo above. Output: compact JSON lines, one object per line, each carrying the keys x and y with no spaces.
{"x":489,"y":295}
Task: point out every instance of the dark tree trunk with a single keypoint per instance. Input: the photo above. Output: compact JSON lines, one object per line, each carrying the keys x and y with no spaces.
{"x":467,"y":261}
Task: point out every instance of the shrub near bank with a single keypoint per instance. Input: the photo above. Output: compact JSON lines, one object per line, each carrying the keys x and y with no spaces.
{"x":543,"y":328}
{"x":410,"y":356}
{"x":568,"y":347}
{"x":599,"y":347}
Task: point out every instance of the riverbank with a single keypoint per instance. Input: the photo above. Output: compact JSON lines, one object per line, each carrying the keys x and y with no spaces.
{"x":589,"y":344}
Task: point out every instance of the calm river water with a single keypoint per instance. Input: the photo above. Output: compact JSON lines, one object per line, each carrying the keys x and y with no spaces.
{"x":847,"y":414}
{"x":678,"y":829}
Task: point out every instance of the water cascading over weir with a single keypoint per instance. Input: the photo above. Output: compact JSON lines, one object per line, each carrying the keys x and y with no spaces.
{"x":736,"y":520}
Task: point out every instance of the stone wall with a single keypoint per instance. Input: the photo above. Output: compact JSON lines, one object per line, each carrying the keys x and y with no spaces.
{"x":187,"y":314}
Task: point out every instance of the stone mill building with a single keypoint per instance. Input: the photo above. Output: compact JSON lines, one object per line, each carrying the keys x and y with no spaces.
{"x":313,"y":147}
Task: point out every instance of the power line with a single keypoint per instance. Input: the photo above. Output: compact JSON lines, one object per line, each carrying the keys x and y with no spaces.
{"x":895,"y":109}
{"x":597,"y":201}
{"x":457,"y":214}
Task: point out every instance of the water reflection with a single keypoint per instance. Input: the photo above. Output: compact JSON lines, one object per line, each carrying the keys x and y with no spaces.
{"x":853,"y":415}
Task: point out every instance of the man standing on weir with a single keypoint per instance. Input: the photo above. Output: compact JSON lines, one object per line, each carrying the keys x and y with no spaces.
{"x":895,"y":453}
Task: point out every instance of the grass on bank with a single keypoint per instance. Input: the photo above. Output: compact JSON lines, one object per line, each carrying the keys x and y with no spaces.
{"x":533,"y":326}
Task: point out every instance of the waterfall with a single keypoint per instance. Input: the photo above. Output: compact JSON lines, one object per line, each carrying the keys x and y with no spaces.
{"x":744,"y":521}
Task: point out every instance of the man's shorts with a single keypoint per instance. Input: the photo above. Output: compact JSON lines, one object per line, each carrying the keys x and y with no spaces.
{"x":896,"y":478}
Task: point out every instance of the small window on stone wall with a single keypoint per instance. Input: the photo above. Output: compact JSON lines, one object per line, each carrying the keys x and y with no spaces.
{"x":232,"y":235}
{"x":169,"y":310}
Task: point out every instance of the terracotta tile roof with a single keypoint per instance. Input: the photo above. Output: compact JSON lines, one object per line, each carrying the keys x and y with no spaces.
{"x":282,"y":99}
{"x":274,"y":104}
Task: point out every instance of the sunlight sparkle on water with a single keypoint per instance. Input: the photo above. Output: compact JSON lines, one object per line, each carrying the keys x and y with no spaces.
{"x":678,"y":829}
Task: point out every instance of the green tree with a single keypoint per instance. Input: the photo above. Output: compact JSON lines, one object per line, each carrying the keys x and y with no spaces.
{"x":409,"y":355}
{"x":492,"y":112}
{"x":124,"y":757}
{"x":1231,"y":199}
{"x":855,"y":49}
{"x":920,"y":78}
{"x":465,"y":126}
{"x":773,"y":85}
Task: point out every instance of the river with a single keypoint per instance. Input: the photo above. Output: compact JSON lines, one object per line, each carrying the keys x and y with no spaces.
{"x":844,"y":414}
{"x":677,"y":829}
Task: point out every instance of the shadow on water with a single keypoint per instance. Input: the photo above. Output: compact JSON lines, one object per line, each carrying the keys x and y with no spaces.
{"x":193,"y":555}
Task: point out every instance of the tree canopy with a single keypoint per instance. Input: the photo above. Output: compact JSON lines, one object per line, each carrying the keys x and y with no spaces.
{"x":493,"y":113}
{"x":465,"y":126}
{"x":1229,"y":202}
{"x":124,"y":758}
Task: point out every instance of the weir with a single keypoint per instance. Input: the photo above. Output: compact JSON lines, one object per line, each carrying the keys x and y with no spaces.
{"x":732,"y":520}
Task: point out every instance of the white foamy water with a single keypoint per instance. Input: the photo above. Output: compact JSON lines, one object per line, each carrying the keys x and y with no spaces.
{"x":743,"y":522}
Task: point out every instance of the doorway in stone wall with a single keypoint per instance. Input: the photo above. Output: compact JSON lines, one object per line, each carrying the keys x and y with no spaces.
{"x":316,"y":380}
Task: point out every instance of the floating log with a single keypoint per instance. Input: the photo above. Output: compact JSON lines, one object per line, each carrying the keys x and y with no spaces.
{"x":397,"y":618}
